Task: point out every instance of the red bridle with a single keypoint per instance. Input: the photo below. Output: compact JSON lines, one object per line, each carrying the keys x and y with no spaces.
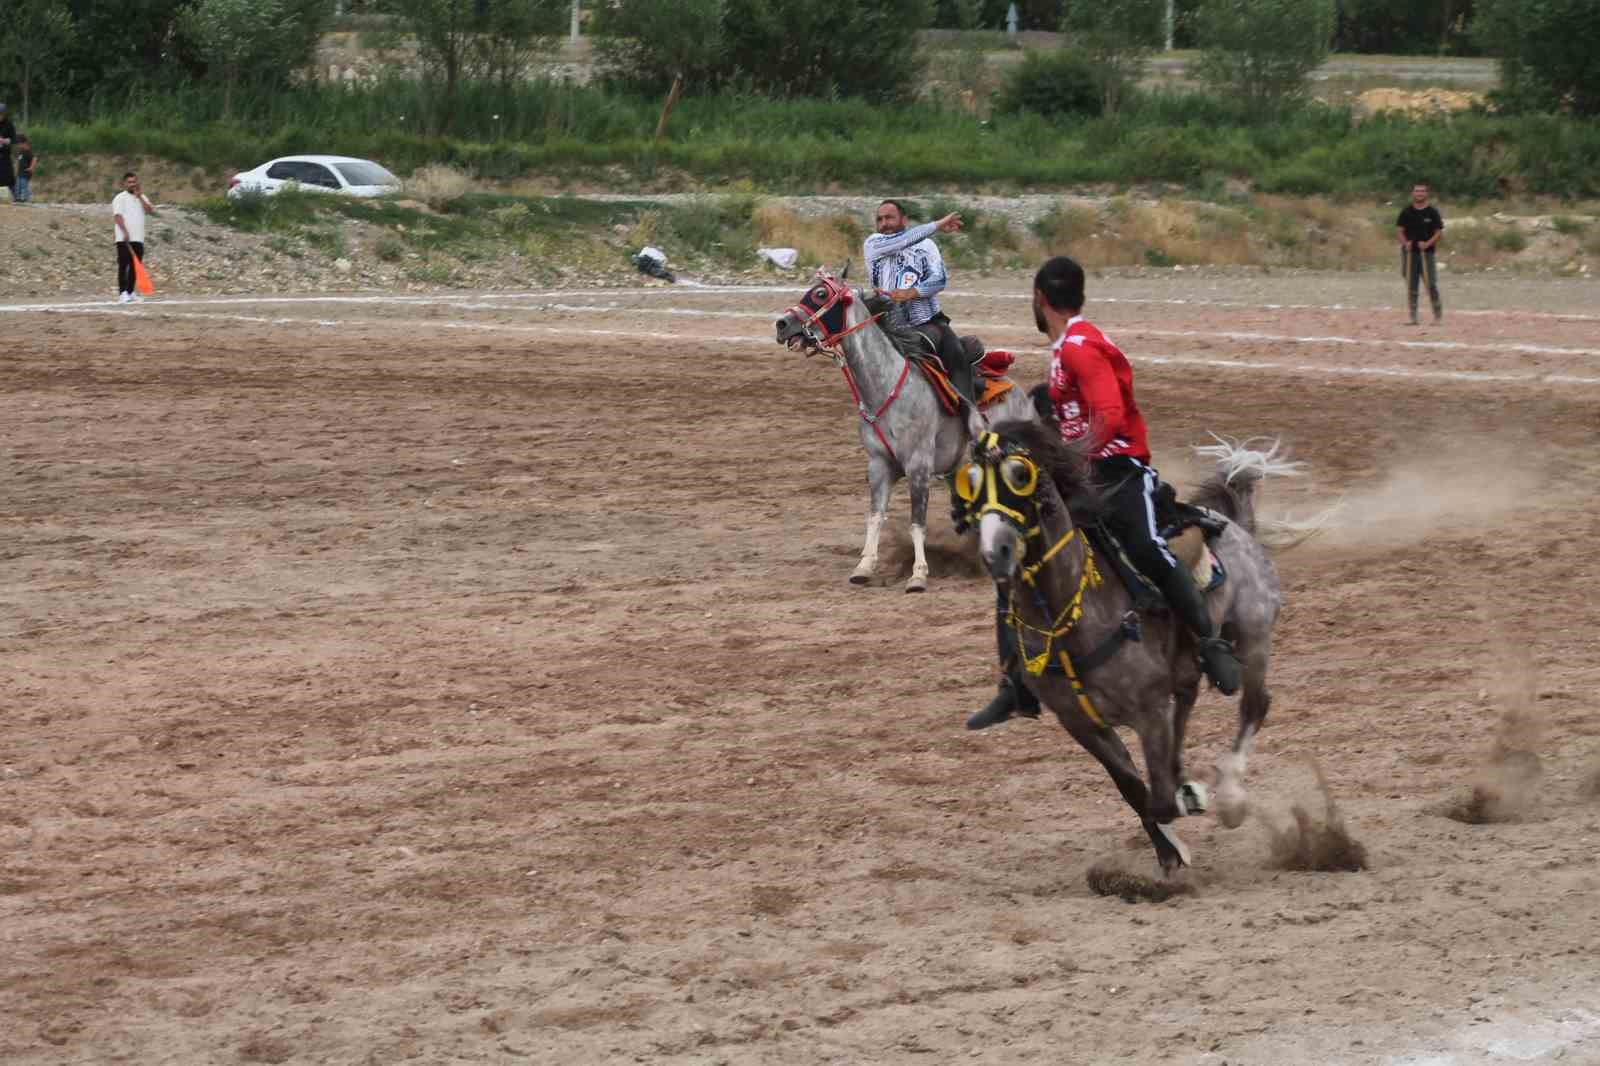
{"x":838,"y":293}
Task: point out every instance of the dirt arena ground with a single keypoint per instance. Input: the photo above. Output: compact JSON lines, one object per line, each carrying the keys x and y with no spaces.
{"x":476,"y":679}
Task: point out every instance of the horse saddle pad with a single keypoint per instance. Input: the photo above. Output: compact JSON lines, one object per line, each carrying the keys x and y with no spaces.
{"x":933,"y":370}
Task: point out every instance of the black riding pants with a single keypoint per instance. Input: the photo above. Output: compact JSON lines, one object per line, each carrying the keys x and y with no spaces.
{"x":125,"y":264}
{"x":1131,"y":514}
{"x":954,"y":357}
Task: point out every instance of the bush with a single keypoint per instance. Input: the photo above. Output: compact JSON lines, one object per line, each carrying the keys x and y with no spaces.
{"x":781,"y":48}
{"x":439,"y":184}
{"x":1053,"y":84}
{"x":1262,"y":50}
{"x":1549,"y":52}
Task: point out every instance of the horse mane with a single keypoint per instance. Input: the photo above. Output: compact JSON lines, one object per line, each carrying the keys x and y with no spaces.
{"x":1067,"y":463}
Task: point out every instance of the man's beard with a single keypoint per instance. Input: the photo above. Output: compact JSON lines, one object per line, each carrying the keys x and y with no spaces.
{"x":1038,"y":320}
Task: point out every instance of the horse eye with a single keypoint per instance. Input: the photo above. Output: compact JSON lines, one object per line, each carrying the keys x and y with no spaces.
{"x":820,"y":295}
{"x":1018,"y":475}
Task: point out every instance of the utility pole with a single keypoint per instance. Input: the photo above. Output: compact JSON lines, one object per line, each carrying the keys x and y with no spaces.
{"x":1011,"y":22}
{"x":1170,"y":4}
{"x":577,"y":3}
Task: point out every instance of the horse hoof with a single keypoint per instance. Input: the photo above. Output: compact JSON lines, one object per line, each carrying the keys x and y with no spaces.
{"x":917,"y":584}
{"x":1192,"y":798}
{"x":861,"y":577}
{"x":1232,"y":814}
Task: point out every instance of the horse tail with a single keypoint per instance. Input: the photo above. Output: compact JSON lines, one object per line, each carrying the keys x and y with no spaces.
{"x":1231,"y":491}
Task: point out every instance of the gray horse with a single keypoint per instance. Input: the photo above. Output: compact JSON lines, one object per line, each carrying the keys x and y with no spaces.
{"x":1087,"y":653}
{"x":903,"y":427}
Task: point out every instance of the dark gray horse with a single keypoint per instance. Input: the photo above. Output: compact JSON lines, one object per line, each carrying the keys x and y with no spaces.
{"x":1087,"y":654}
{"x":903,"y":427}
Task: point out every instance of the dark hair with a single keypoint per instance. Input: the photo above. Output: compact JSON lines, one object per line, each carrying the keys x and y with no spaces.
{"x":1422,"y":183}
{"x":1061,"y":282}
{"x":898,"y":206}
{"x":129,"y":174}
{"x":22,"y":138}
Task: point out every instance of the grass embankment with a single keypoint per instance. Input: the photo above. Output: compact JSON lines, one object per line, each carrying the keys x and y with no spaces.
{"x":445,"y":224}
{"x":590,"y":134}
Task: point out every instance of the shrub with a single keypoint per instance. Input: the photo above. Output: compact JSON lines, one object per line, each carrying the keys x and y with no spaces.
{"x":1568,"y":226}
{"x":439,"y":184}
{"x":1053,"y":84}
{"x":1118,"y":36}
{"x":1549,"y":51}
{"x":784,"y":48}
{"x":1509,"y":239}
{"x":1263,"y":50}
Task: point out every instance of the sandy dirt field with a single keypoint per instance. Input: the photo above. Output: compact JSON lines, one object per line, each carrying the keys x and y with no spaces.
{"x":476,"y":679}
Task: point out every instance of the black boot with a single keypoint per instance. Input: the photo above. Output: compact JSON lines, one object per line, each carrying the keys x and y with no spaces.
{"x":1216,"y":655}
{"x":1013,"y":698}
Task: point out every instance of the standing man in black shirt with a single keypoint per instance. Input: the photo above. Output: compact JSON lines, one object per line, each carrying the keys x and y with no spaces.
{"x":1420,"y":228}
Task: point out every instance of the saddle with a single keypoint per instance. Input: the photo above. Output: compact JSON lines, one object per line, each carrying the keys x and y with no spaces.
{"x":991,"y":366}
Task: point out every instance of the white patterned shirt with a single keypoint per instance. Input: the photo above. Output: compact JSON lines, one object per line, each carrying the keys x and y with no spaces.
{"x":908,"y":260}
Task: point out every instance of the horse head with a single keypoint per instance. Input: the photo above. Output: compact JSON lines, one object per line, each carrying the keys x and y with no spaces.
{"x":820,"y":320}
{"x":1021,"y":479}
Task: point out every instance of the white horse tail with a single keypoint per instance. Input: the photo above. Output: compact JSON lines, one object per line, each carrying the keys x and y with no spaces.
{"x":1241,"y":466}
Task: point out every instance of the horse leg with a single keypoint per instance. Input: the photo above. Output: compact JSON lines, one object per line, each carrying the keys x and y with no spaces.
{"x":1107,"y":747}
{"x":1233,"y":804}
{"x":919,"y":479}
{"x":1192,"y":797}
{"x":880,"y":483}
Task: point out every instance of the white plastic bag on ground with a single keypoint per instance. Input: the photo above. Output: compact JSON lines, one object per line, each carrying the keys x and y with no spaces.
{"x":782,"y":258}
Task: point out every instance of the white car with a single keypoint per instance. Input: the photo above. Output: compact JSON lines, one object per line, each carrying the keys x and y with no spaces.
{"x":321,"y":173}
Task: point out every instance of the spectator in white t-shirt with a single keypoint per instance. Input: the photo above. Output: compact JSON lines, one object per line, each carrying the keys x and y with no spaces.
{"x":128,"y":211}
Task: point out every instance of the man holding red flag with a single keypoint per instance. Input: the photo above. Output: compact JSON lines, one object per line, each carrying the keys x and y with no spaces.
{"x":128,"y":211}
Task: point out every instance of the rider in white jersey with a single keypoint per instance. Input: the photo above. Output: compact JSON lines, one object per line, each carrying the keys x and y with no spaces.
{"x":905,"y":265}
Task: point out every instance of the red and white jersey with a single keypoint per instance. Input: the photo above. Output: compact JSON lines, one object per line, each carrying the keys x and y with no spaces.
{"x":1091,"y":388}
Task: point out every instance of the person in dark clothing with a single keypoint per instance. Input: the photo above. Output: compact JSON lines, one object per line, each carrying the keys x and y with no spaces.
{"x":25,"y":164}
{"x":1091,"y":394}
{"x":8,"y":134}
{"x":1419,"y":228}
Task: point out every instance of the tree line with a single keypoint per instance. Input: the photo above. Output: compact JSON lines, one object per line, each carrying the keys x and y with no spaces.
{"x":77,"y":50}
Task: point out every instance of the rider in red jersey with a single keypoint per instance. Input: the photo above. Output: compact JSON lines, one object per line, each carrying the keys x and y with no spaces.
{"x":1091,"y":393}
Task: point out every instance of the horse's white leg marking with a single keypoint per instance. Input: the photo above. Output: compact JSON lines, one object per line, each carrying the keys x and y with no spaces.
{"x":1233,"y":805}
{"x":919,"y":568}
{"x":869,"y":552}
{"x":1192,"y":798}
{"x":1172,"y":838}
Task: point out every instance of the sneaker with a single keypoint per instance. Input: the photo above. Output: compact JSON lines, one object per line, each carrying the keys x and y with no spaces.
{"x":124,"y":297}
{"x":1220,"y":665}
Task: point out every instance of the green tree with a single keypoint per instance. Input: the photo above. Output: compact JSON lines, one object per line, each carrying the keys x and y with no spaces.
{"x":1119,"y":36}
{"x":1549,"y":51}
{"x":513,"y":34}
{"x":773,"y":47}
{"x":651,"y":42}
{"x":253,"y":42}
{"x":822,"y":47}
{"x":1263,"y":50}
{"x":34,"y":43}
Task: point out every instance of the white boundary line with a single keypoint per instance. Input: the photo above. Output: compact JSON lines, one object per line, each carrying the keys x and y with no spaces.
{"x":1465,"y":376}
{"x":469,"y":298}
{"x":988,"y":328}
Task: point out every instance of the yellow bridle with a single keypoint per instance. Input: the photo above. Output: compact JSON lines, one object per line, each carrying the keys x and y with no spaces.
{"x":1003,"y":484}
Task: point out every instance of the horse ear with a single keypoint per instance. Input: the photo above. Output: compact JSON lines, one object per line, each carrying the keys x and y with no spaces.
{"x":845,"y":273}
